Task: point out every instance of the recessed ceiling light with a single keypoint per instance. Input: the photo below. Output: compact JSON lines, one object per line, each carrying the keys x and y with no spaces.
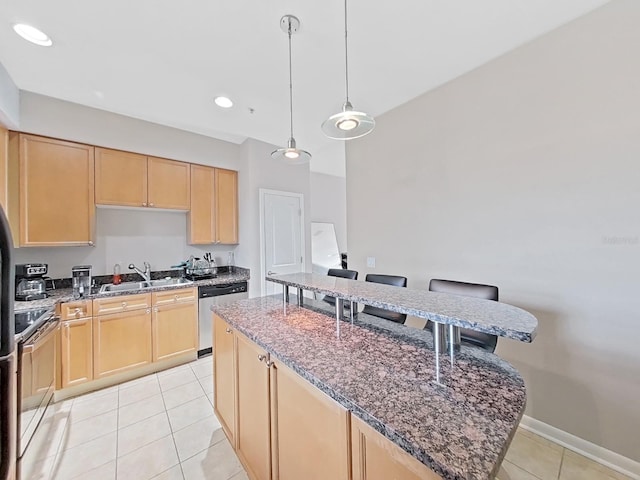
{"x":223,"y":102}
{"x":33,"y":35}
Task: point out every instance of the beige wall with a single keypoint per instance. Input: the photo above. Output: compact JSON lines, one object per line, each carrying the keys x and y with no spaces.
{"x":264,"y":172}
{"x":329,"y":204}
{"x":125,"y":235}
{"x":526,"y":174}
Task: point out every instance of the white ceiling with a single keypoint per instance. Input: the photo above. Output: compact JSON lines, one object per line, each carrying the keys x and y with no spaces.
{"x":164,"y":61}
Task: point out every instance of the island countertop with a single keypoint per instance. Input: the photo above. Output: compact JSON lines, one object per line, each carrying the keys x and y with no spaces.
{"x":384,"y":374}
{"x":486,"y":316}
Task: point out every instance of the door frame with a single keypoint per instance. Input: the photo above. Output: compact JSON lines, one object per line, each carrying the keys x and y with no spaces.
{"x":263,"y":269}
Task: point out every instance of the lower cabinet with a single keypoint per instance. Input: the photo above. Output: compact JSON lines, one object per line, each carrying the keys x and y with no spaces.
{"x":253,"y":444}
{"x":374,"y":457}
{"x":310,"y":430}
{"x":76,"y":350}
{"x":121,"y":341}
{"x":174,"y":323}
{"x":284,"y":427}
{"x":76,"y":343}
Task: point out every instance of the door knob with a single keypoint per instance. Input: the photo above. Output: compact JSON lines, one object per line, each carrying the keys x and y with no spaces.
{"x":271,"y":273}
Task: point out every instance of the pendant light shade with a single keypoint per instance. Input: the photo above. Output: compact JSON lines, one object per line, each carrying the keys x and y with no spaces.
{"x":348,"y":123}
{"x":291,"y":154}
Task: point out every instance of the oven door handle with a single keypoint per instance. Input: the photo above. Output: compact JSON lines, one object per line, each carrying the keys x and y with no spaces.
{"x":40,"y":337}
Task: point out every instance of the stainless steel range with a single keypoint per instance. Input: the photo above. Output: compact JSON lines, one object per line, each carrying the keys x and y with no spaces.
{"x":36,"y":338}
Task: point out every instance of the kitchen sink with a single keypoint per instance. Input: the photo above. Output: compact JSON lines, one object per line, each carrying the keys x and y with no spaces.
{"x":163,"y":282}
{"x":126,"y":286}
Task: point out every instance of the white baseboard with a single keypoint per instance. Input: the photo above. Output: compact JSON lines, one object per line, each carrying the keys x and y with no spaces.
{"x":610,"y":459}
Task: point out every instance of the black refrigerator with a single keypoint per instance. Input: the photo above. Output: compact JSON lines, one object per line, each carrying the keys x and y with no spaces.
{"x":8,"y":397}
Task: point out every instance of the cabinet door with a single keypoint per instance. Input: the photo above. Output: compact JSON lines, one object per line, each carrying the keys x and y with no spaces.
{"x":121,"y":341}
{"x":124,"y":303}
{"x":253,"y":434}
{"x":169,"y":184}
{"x":226,"y":192}
{"x":375,"y":457}
{"x":202,"y":214}
{"x":224,"y":396}
{"x":170,"y":297}
{"x":77,"y":352}
{"x":299,"y":408}
{"x":121,"y":178}
{"x":175,"y":330}
{"x":56,"y":192}
{"x":76,"y":310}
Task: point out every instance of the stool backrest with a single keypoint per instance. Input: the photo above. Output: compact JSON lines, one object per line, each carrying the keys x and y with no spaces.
{"x":395,"y":280}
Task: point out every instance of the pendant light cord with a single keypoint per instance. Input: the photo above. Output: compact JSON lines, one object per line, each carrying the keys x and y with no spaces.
{"x":290,"y":85}
{"x":346,"y":53}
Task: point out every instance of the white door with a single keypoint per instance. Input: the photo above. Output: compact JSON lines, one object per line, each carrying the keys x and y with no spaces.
{"x":282,"y":235}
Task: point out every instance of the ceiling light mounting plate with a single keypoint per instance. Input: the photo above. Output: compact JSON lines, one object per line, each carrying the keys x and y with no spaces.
{"x":289,"y":22}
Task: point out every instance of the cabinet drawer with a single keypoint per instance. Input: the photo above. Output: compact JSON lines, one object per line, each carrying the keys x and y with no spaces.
{"x":126,"y":303}
{"x":182,"y":295}
{"x":74,"y":310}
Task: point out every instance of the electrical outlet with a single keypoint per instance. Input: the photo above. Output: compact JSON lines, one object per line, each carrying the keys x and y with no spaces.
{"x":371,"y":262}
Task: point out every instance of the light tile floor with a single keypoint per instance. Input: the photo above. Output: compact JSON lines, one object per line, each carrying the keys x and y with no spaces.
{"x":162,"y":427}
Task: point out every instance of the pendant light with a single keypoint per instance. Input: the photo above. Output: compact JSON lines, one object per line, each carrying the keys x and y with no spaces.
{"x":292,"y":154}
{"x":348,"y":123}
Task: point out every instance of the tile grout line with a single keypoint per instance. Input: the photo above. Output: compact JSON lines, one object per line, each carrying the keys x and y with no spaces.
{"x":561,"y":462}
{"x":117,"y":433}
{"x":173,"y":439}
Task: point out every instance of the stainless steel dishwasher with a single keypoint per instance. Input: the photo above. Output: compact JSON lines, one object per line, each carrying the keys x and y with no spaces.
{"x":209,"y":295}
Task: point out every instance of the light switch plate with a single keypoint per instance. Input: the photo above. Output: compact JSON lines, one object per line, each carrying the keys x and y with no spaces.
{"x":371,"y":262}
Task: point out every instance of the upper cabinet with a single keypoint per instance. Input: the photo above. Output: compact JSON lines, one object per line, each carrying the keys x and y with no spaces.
{"x":133,"y":180}
{"x":213,"y":217}
{"x":121,"y":178}
{"x":53,"y":180}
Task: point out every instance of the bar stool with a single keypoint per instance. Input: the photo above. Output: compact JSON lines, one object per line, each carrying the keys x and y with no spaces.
{"x":381,"y":312}
{"x":343,"y":273}
{"x":477,"y":290}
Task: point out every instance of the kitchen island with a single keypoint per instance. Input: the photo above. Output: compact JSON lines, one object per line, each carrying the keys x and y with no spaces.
{"x":383,"y":376}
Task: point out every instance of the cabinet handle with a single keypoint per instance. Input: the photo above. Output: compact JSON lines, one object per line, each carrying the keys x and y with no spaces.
{"x":262,"y":357}
{"x":151,"y":204}
{"x":269,"y":364}
{"x":228,"y":330}
{"x":155,"y":309}
{"x":91,"y":244}
{"x":124,"y":304}
{"x":144,"y":204}
{"x":175,"y":298}
{"x":149,"y":310}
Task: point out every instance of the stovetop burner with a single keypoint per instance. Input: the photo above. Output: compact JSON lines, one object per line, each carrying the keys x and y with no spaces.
{"x":24,"y":320}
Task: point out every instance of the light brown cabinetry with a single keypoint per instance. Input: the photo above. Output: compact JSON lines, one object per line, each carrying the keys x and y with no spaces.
{"x":226,"y":206}
{"x":174,"y":323}
{"x":76,"y":351}
{"x":121,"y":178}
{"x":279,"y":424}
{"x":224,"y":393}
{"x":55,"y":190}
{"x":121,"y":340}
{"x":213,"y":217}
{"x":310,"y":430}
{"x":134,"y":180}
{"x":377,"y":458}
{"x":76,"y":343}
{"x":253,"y":440}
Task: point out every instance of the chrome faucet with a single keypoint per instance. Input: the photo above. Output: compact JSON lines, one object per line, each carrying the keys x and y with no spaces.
{"x":146,"y":275}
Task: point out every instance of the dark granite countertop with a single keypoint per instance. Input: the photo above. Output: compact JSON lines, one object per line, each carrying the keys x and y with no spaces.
{"x":495,"y":318}
{"x":66,"y":294}
{"x":384,"y":374}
